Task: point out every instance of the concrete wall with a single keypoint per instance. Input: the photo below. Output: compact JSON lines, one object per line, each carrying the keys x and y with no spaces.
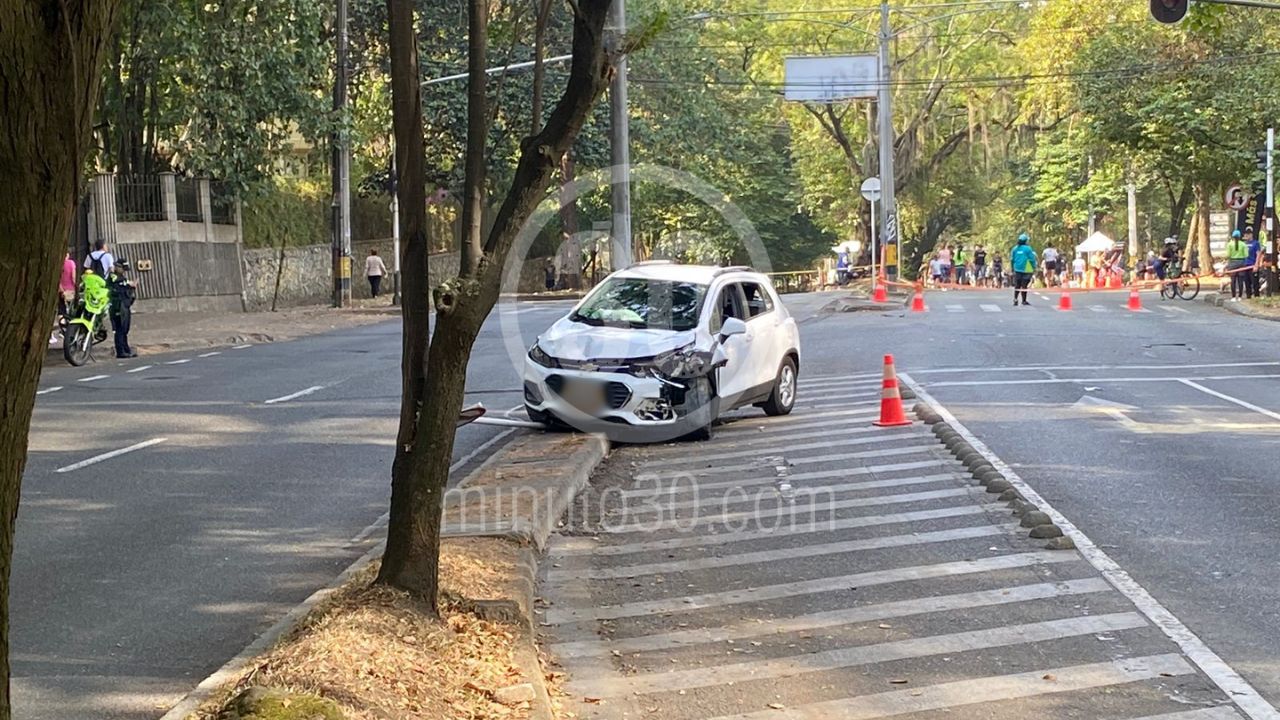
{"x":307,"y":277}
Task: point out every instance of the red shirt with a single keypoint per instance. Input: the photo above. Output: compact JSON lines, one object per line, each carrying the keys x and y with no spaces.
{"x":68,"y":281}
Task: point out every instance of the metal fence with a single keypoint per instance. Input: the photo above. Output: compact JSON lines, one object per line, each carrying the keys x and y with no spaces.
{"x":139,"y":198}
{"x":187,"y":191}
{"x":222,"y":202}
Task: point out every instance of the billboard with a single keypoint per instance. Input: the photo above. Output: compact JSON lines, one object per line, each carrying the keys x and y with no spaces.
{"x":829,"y":78}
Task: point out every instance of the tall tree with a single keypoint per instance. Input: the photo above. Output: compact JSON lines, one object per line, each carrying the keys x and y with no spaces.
{"x":51,"y":54}
{"x":421,"y":467}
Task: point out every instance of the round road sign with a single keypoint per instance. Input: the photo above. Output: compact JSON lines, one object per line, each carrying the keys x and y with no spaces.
{"x":1235,"y":198}
{"x":871,"y":189}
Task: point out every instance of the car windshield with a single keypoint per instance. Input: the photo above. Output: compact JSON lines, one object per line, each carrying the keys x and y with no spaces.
{"x":641,"y":303}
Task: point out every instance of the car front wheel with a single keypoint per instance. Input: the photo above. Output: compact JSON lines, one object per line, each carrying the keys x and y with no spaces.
{"x":783,"y":397}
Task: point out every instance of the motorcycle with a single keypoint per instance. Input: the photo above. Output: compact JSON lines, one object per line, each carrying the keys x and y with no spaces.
{"x":86,"y":324}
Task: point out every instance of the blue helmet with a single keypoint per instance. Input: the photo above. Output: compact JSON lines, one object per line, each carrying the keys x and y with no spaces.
{"x":1235,"y":233}
{"x":1023,"y":239}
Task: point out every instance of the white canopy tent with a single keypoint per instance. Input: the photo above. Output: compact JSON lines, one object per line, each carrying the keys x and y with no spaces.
{"x":1097,"y":242}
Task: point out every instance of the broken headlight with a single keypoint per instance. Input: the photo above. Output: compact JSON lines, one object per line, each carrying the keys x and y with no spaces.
{"x":538,"y":355}
{"x":685,"y":362}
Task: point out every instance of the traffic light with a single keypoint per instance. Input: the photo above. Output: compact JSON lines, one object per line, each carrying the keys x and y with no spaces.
{"x":1169,"y":11}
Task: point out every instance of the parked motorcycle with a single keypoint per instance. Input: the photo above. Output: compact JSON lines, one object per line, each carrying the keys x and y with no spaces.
{"x":86,"y":325}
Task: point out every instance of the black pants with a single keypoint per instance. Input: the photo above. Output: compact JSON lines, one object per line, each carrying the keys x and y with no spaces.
{"x":1255,"y":281}
{"x":120,"y":321}
{"x":1239,"y":278}
{"x":375,"y":285}
{"x":1021,"y":281}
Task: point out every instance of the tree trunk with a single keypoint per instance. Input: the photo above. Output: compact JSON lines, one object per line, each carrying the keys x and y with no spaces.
{"x":569,"y":224}
{"x":50,"y":64}
{"x":1178,"y":210}
{"x":477,"y":135}
{"x":539,"y":69}
{"x":1202,"y":228}
{"x":400,"y":566}
{"x":422,"y":464}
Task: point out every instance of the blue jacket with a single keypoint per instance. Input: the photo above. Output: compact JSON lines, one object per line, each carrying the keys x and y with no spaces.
{"x":1023,"y":260}
{"x":1254,"y":248}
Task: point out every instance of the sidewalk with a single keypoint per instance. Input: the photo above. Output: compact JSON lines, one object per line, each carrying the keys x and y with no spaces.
{"x":167,"y":331}
{"x":1261,"y":309}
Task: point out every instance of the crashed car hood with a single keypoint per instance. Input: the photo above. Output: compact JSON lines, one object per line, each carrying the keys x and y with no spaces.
{"x":570,"y":340}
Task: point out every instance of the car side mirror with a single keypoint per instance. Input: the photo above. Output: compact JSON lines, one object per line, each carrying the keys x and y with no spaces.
{"x":732,"y":326}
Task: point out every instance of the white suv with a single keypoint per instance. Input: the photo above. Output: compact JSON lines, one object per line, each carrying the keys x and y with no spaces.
{"x":660,"y":350}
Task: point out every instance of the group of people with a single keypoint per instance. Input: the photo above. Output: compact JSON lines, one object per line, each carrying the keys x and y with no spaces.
{"x":102,"y":273}
{"x":1244,"y":263}
{"x":956,"y":265}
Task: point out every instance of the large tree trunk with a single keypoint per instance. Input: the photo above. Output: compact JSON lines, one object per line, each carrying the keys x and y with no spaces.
{"x":1178,"y":210}
{"x":414,"y":527}
{"x":1202,"y":228}
{"x":539,"y":69}
{"x":477,"y":135}
{"x":415,"y":303}
{"x":572,"y":275}
{"x":50,"y":64}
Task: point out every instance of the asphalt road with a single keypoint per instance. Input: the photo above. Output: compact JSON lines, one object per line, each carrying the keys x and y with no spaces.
{"x":251,"y":477}
{"x":1155,"y":432}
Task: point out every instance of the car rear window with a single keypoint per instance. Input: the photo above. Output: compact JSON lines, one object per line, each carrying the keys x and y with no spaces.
{"x":642,"y":303}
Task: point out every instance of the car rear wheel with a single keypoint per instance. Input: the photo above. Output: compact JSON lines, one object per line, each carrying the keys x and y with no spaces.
{"x":783,"y":397}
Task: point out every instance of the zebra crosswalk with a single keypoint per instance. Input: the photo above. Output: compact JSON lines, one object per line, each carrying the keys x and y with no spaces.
{"x":814,"y":567}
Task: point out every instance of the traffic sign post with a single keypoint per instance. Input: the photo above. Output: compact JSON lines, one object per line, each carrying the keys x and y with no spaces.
{"x":871,"y":192}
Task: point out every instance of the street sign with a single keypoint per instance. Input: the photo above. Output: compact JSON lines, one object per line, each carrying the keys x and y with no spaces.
{"x":1219,"y":232}
{"x":871,"y":189}
{"x":828,"y":78}
{"x":1235,"y":198}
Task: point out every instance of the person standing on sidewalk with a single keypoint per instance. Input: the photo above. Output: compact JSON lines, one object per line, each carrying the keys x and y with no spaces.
{"x":66,"y":293}
{"x":1253,"y":261}
{"x":1023,"y":263}
{"x":1237,"y":254}
{"x":374,"y":269}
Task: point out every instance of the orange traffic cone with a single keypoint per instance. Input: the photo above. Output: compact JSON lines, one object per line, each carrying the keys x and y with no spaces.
{"x":1113,"y":282}
{"x":880,"y":294}
{"x":1135,"y":302}
{"x":917,"y":301}
{"x":891,"y":412}
{"x":1064,"y":301}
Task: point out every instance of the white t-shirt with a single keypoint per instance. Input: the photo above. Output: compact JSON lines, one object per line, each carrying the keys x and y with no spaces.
{"x":107,"y":260}
{"x":1077,"y":265}
{"x":1050,"y":255}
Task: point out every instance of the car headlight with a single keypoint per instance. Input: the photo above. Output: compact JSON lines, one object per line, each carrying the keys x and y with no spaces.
{"x":685,"y":362}
{"x":538,"y":355}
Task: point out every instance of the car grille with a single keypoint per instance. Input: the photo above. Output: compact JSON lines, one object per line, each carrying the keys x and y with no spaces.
{"x":616,"y":394}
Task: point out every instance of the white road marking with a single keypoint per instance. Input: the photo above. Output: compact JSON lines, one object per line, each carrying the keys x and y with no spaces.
{"x":784,"y":555}
{"x":209,"y":354}
{"x":46,"y":391}
{"x":761,"y":449}
{"x":810,"y":460}
{"x":607,"y":683}
{"x":955,"y":308}
{"x":676,"y":483}
{"x":241,"y":347}
{"x":833,"y":402}
{"x":744,"y":629}
{"x":564,"y":546}
{"x":655,"y":502}
{"x":990,"y":308}
{"x":1174,"y":308}
{"x":792,"y":512}
{"x":560,"y":615}
{"x":1099,"y":308}
{"x":462,"y":461}
{"x":983,"y":690}
{"x":109,"y":455}
{"x":92,"y":378}
{"x":1222,"y":712}
{"x":834,"y":437}
{"x":759,"y":427}
{"x":1096,"y":380}
{"x":178,"y":362}
{"x":849,"y":376}
{"x":1228,"y":398}
{"x":140,"y":369}
{"x":839,"y":396}
{"x":292,"y":396}
{"x":768,"y":422}
{"x":1222,"y":674}
{"x":1037,"y":368}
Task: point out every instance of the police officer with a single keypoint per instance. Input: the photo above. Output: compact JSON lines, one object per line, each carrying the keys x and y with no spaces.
{"x":122,"y":293}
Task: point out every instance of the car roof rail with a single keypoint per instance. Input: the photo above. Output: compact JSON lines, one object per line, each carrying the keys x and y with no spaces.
{"x":734,"y":268}
{"x":642,"y":263}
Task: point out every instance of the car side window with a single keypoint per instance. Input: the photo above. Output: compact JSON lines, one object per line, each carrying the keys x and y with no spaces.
{"x":729,"y":303}
{"x":758,"y":301}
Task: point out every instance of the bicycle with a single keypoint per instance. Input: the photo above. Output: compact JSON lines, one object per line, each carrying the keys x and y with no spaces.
{"x":1179,"y":285}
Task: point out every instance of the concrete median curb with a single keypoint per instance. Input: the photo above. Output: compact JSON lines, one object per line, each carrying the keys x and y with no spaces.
{"x":520,"y":493}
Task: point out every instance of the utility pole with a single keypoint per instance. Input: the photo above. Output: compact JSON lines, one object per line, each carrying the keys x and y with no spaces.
{"x":1271,"y":213}
{"x":1133,"y":220}
{"x":341,"y":171}
{"x":395,"y":225}
{"x":620,"y":254}
{"x":888,"y":206}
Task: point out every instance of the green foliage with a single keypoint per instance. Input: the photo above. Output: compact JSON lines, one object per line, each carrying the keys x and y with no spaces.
{"x":292,"y":212}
